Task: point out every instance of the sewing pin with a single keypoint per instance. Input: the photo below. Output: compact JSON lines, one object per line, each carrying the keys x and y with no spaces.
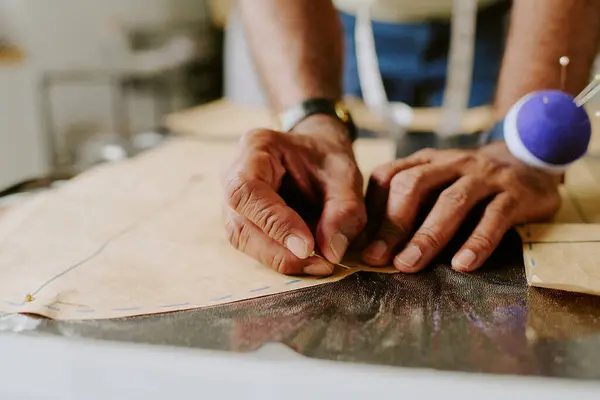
{"x":588,"y":92}
{"x":564,"y":61}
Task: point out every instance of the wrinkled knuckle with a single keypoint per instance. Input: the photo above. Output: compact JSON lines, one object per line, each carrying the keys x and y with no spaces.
{"x":238,"y":193}
{"x":280,"y":263}
{"x":394,"y":227}
{"x":273,"y":224}
{"x":458,"y":198}
{"x":237,"y":233}
{"x":505,"y":208}
{"x":234,"y":191}
{"x":408,"y":182}
{"x":431,"y":237}
{"x":482,"y":241}
{"x":270,"y":222}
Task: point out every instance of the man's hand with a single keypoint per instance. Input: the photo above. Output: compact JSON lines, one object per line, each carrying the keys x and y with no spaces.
{"x":397,"y":190}
{"x":278,"y":180}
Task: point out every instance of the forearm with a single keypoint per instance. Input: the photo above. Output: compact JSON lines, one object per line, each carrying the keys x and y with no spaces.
{"x":542,"y":31}
{"x":297,"y":48}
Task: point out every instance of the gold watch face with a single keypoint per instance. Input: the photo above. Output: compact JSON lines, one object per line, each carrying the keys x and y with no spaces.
{"x":342,"y":112}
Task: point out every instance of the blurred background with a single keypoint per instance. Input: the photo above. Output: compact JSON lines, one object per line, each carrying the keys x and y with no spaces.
{"x":86,"y":81}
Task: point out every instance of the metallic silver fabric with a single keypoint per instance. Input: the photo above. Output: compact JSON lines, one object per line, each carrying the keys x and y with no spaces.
{"x":488,"y":321}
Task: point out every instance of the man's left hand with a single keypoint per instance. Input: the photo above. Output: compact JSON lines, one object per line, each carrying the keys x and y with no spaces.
{"x":397,"y":190}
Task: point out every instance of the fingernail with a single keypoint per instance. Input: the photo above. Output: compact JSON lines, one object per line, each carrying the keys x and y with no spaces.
{"x":377,"y":250}
{"x":410,"y":256}
{"x":338,"y":244}
{"x":297,"y":246}
{"x":464,"y":260}
{"x":319,"y":268}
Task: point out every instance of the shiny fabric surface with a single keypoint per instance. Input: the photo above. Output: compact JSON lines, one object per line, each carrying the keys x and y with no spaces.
{"x":489,"y":321}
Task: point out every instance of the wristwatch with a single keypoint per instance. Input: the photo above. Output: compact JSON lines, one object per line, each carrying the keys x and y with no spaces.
{"x":292,"y":116}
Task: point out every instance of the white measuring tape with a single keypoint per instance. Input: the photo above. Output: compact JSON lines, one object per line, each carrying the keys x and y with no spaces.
{"x":397,"y":115}
{"x":460,"y":66}
{"x":459,"y":75}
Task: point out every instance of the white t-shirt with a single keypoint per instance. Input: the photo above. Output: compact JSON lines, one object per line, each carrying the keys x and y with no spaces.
{"x":404,"y":10}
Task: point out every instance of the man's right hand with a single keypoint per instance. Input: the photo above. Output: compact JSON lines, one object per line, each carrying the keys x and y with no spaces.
{"x":279,"y":182}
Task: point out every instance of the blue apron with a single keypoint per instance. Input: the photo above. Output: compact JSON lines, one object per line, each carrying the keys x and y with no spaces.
{"x":413,"y":58}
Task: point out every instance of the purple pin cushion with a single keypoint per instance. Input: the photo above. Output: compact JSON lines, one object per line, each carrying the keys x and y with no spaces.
{"x":547,"y":130}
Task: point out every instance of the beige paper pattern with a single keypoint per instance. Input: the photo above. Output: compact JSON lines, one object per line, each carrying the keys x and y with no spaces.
{"x":143,"y":236}
{"x":565,"y":254}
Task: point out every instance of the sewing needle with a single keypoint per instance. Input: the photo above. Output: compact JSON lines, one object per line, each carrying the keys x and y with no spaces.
{"x":313,"y":254}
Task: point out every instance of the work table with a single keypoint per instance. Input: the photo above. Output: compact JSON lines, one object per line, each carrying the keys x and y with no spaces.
{"x":431,"y":327}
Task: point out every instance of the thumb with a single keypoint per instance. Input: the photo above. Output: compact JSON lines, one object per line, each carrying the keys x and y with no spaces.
{"x":344,"y":215}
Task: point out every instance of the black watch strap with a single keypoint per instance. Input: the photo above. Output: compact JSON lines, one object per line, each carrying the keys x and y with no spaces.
{"x":292,"y":116}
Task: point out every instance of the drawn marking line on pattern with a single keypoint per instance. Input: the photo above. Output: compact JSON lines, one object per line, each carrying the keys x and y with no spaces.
{"x":175,"y":305}
{"x":221,"y":298}
{"x":163,"y":207}
{"x":260,"y":289}
{"x":89,"y":310}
